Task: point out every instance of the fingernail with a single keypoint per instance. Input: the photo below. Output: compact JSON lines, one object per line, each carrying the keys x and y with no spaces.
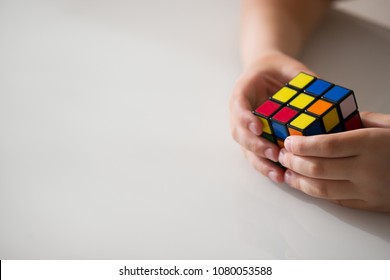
{"x":287,"y":176}
{"x":281,"y":156}
{"x":254,"y":128}
{"x":287,"y":144}
{"x":270,"y":154}
{"x":272,"y":175}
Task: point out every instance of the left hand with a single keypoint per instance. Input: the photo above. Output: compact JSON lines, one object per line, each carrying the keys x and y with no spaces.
{"x":349,"y":168}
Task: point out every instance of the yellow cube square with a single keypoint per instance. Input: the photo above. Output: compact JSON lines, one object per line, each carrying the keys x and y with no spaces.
{"x":265,"y":123}
{"x":301,"y":80}
{"x":331,"y":119}
{"x":284,"y":94}
{"x":302,"y":101}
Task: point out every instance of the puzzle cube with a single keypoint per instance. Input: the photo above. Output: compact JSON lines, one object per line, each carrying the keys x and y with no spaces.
{"x":327,"y":112}
{"x":264,"y":113}
{"x":308,"y":106}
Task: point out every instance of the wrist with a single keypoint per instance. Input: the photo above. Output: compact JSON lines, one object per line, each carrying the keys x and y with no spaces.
{"x":276,"y":64}
{"x":263,"y":56}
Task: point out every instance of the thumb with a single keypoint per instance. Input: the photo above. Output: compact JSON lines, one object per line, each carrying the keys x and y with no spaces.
{"x":371,"y":119}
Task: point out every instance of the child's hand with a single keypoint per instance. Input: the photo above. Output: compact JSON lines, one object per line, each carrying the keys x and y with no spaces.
{"x":256,"y":84}
{"x":350,"y":168}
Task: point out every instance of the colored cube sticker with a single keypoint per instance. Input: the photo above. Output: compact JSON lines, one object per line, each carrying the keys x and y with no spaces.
{"x":318,"y":87}
{"x":264,"y":113}
{"x":301,"y":80}
{"x":305,"y":124}
{"x":308,"y":106}
{"x":301,"y":101}
{"x":327,"y":112}
{"x":284,"y":95}
{"x":280,"y":120}
{"x":353,"y":122}
{"x":343,"y":98}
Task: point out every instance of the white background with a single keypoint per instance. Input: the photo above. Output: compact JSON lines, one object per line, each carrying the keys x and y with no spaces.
{"x":115,"y":141}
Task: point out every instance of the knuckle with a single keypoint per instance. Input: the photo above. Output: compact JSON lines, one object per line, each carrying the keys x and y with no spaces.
{"x":329,"y":146}
{"x":296,"y":182}
{"x":234,"y":132}
{"x":242,"y":119}
{"x":254,"y":147}
{"x":298,"y":148}
{"x":318,"y":189}
{"x":260,"y":167}
{"x":288,"y":161}
{"x":241,"y":111}
{"x":314,"y":188}
{"x":315,"y":169}
{"x":246,"y":154}
{"x":256,"y":162}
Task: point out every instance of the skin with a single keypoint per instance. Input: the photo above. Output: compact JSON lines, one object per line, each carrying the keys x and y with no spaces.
{"x":348,"y":168}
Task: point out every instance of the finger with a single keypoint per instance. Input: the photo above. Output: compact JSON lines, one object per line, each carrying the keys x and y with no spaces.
{"x":246,"y":128}
{"x":241,"y":114}
{"x":339,"y":145}
{"x":319,"y":168}
{"x":265,"y":167}
{"x":240,"y":105}
{"x":326,"y":189}
{"x":283,"y":67}
{"x":371,"y":119}
{"x":252,"y":87}
{"x":256,"y":144}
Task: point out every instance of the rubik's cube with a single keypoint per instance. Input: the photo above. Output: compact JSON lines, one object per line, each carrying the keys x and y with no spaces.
{"x":308,"y":106}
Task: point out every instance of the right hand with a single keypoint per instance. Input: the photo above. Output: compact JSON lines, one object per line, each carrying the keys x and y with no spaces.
{"x":258,"y":82}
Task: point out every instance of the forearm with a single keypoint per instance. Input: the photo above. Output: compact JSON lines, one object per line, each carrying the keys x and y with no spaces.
{"x":277,"y":25}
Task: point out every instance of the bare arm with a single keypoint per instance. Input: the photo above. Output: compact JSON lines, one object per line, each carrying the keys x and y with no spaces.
{"x":273,"y":32}
{"x":349,"y":168}
{"x":277,"y":25}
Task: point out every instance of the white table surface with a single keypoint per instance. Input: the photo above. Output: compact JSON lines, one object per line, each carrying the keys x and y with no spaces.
{"x":115,"y":141}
